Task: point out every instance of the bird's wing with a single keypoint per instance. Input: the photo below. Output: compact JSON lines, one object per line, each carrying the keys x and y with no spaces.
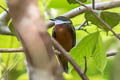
{"x":73,"y":33}
{"x":53,"y":33}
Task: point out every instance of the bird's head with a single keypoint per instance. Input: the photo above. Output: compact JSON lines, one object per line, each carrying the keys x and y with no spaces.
{"x":61,"y":20}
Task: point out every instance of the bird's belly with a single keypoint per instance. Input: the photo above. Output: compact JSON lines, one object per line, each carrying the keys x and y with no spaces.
{"x":65,"y":39}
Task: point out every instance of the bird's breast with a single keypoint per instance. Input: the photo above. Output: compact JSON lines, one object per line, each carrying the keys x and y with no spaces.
{"x":64,"y":37}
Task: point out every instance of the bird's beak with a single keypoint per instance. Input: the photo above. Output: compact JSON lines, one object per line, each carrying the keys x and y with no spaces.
{"x":52,"y":19}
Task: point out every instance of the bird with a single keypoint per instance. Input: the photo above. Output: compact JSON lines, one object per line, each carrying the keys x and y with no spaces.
{"x":64,"y":32}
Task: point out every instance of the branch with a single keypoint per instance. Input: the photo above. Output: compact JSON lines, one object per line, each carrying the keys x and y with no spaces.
{"x":81,"y":25}
{"x":11,"y":50}
{"x":32,"y":32}
{"x":4,"y":9}
{"x":80,"y":10}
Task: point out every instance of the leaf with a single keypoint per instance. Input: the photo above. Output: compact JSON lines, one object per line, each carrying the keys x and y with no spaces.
{"x":89,"y":16}
{"x":68,"y":76}
{"x":74,"y":1}
{"x":3,"y":4}
{"x":61,"y":4}
{"x":99,"y":55}
{"x":111,"y":18}
{"x":23,"y":77}
{"x":71,"y":1}
{"x":108,"y":68}
{"x":92,"y":47}
{"x":12,"y":28}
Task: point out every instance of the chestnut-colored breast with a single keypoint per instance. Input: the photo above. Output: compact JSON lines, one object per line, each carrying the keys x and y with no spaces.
{"x":62,"y":33}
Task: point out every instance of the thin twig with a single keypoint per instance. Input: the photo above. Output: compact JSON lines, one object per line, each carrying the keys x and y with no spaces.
{"x":4,"y":9}
{"x":85,"y":65}
{"x":81,"y":26}
{"x":69,"y":58}
{"x":11,"y":50}
{"x":100,"y":19}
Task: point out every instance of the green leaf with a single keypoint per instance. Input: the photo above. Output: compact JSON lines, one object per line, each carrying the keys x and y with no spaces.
{"x":99,"y":54}
{"x":3,"y":4}
{"x":12,"y":28}
{"x":108,"y":69}
{"x":68,"y":76}
{"x":89,"y":16}
{"x":23,"y":77}
{"x":111,"y":18}
{"x":74,"y":1}
{"x":71,"y":1}
{"x":92,"y":47}
{"x":61,"y":4}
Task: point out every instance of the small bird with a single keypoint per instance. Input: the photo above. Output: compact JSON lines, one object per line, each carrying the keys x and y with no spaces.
{"x":64,"y":33}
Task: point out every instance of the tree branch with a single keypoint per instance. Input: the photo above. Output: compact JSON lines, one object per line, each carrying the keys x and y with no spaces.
{"x":10,"y":50}
{"x":4,"y":9}
{"x":32,"y":32}
{"x":80,"y":10}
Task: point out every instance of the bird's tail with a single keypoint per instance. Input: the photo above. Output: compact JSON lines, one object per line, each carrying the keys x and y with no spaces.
{"x":64,"y":62}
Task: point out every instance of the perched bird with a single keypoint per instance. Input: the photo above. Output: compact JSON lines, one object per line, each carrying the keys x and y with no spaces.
{"x":64,"y":33}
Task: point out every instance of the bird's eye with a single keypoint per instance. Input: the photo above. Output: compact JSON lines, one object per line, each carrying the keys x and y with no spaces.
{"x":52,"y":19}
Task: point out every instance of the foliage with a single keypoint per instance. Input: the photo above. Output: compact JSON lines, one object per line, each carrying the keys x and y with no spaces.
{"x":93,"y":44}
{"x":74,"y":2}
{"x":90,"y":46}
{"x":111,"y":18}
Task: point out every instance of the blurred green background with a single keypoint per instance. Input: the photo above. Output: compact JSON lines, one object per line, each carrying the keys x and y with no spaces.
{"x":13,"y":65}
